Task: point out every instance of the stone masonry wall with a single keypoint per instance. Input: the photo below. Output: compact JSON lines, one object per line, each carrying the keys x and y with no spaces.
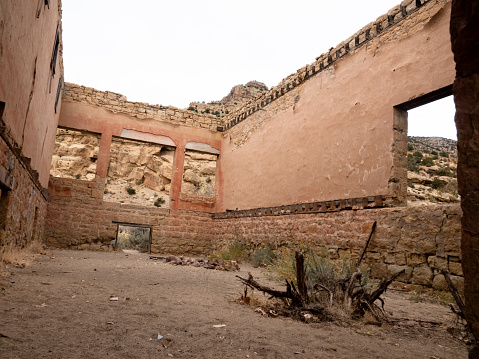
{"x":79,"y":219}
{"x":23,"y":207}
{"x":421,"y":240}
{"x":118,"y":103}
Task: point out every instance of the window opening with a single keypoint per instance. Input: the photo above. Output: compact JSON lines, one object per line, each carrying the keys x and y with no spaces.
{"x":56,"y":45}
{"x":59,"y":92}
{"x":199,"y":173}
{"x":432,"y":153}
{"x":139,"y":173}
{"x":75,"y":154}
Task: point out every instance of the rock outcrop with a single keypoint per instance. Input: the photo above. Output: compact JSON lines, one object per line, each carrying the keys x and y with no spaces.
{"x":432,"y":171}
{"x":237,"y":97}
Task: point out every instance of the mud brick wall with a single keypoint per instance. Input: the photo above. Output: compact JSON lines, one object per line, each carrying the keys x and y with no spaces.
{"x":118,"y":103}
{"x":79,"y":219}
{"x":420,"y":240}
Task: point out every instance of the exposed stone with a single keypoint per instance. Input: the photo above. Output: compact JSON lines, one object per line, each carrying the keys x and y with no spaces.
{"x":422,"y":275}
{"x":405,"y":277}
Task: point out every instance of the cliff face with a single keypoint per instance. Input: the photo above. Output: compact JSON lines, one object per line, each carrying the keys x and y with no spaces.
{"x":432,"y":170}
{"x":238,"y":96}
{"x":139,"y":173}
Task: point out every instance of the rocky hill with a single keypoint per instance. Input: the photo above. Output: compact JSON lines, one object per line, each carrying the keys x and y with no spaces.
{"x":432,"y":170}
{"x":237,"y":96}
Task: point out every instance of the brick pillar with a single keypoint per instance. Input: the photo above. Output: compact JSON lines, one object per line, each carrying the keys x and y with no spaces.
{"x":104,"y":155}
{"x":177,"y":176}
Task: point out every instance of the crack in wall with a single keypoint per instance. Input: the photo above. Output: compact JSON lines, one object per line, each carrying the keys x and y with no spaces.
{"x":30,"y":97}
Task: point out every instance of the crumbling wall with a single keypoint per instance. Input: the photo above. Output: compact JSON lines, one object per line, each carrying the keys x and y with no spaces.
{"x":420,"y":240}
{"x":118,"y":103}
{"x":31,"y":78}
{"x":331,"y":131}
{"x":171,"y":136}
{"x":78,"y":218}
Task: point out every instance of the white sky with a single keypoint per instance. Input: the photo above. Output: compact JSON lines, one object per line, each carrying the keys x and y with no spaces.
{"x":178,"y":51}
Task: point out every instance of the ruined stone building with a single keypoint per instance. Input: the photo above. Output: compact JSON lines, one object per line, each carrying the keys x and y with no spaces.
{"x":314,"y":160}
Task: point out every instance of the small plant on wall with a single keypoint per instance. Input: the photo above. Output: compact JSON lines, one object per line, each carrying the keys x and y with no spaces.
{"x":159,"y":202}
{"x":131,"y":191}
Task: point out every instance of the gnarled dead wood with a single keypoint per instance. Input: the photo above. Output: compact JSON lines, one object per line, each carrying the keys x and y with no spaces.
{"x":301,"y":277}
{"x":367,"y":244}
{"x":348,"y":294}
{"x":383,"y":285}
{"x":455,"y":294}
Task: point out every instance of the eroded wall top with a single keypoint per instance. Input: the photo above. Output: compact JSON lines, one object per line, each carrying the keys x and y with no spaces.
{"x":118,"y":103}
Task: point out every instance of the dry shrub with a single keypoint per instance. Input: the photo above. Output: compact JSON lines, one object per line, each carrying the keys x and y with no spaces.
{"x":21,"y":257}
{"x":235,"y":251}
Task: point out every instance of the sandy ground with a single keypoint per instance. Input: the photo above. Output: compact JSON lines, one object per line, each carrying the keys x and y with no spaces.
{"x":59,"y":307}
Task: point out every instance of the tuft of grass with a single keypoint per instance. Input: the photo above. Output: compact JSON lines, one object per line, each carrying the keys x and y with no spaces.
{"x":235,"y":251}
{"x":131,"y":191}
{"x":262,"y":257}
{"x":21,"y":257}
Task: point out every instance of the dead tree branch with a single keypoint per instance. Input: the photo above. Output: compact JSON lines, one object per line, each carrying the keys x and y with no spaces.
{"x":455,"y":294}
{"x":367,"y":244}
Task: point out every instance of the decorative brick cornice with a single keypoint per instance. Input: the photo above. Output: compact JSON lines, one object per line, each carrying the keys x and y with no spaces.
{"x":307,"y":208}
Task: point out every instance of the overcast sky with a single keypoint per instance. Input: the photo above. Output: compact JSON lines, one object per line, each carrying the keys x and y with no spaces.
{"x":175,"y":52}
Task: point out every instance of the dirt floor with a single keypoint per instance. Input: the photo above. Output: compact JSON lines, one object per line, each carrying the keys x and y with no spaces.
{"x":59,"y":306}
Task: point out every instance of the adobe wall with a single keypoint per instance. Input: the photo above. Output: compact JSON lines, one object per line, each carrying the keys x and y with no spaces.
{"x":331,"y":131}
{"x":28,"y":86}
{"x":421,"y":240}
{"x":78,"y":218}
{"x":110,"y":115}
{"x":117,"y":103}
{"x":31,"y":78}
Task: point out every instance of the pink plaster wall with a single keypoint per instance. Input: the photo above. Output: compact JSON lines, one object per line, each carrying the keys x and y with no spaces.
{"x":336,"y":141}
{"x":26,"y":85}
{"x":81,"y":116}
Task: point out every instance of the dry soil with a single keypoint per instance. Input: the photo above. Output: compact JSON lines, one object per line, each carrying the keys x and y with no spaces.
{"x":59,"y":306}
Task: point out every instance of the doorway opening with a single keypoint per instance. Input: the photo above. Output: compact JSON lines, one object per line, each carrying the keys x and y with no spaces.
{"x":131,"y":236}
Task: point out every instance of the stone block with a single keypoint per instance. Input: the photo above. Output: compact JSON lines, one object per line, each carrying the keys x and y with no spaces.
{"x":455,"y":268}
{"x":379,"y":270}
{"x":437,"y":263}
{"x":422,"y":275}
{"x":405,"y":277}
{"x":416,"y":259}
{"x":427,"y":246}
{"x":407,"y":245}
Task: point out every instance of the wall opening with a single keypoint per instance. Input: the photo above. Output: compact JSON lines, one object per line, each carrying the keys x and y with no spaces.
{"x":75,"y":154}
{"x":139,"y":173}
{"x":199,"y":174}
{"x":133,"y":237}
{"x":432,"y":153}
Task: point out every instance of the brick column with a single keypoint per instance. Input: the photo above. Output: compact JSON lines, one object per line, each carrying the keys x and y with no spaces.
{"x":177,"y":176}
{"x":104,"y":155}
